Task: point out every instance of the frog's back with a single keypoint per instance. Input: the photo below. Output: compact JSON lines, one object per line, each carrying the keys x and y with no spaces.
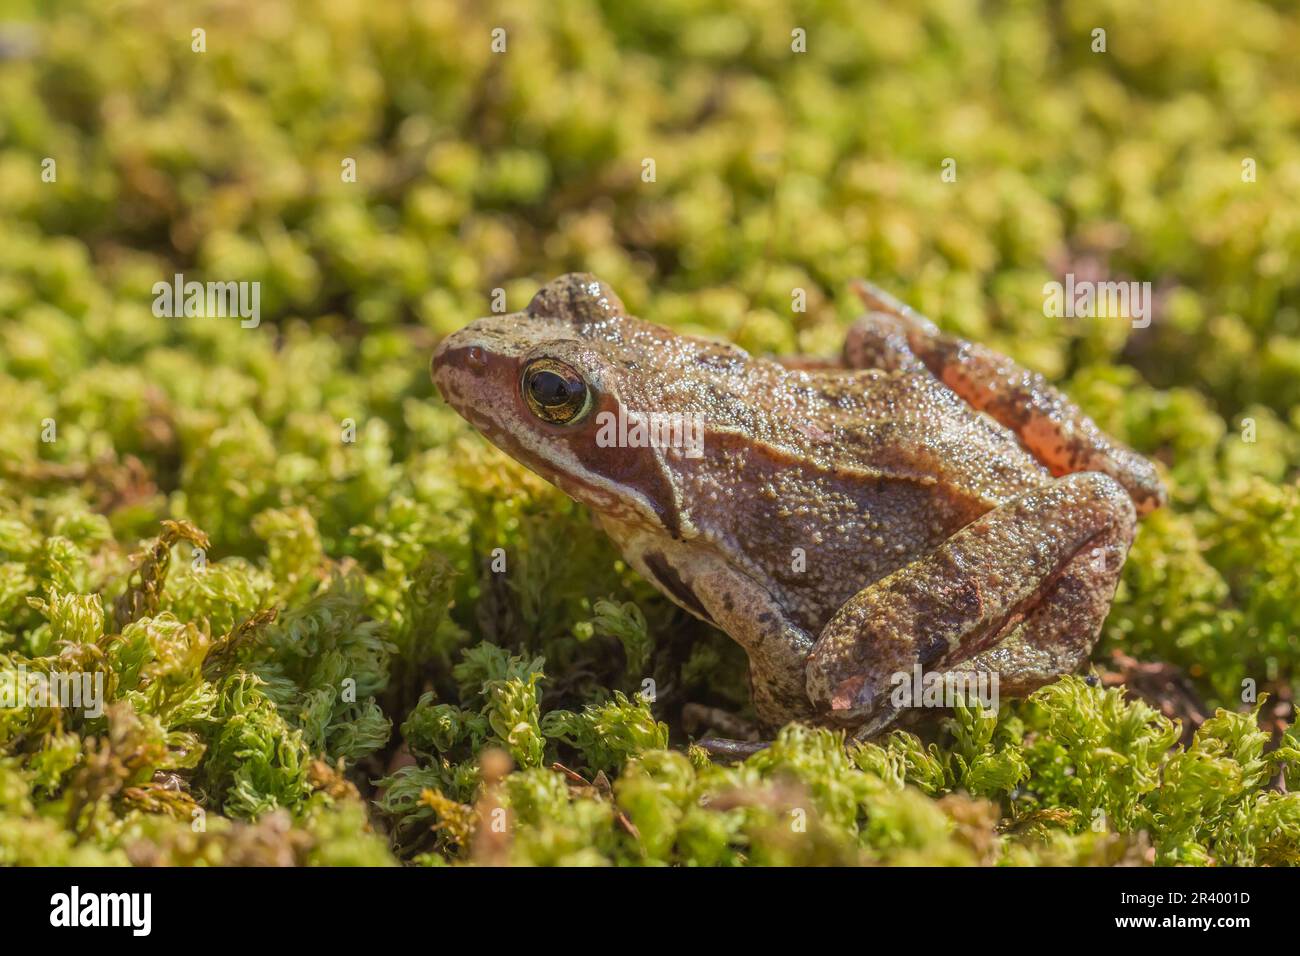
{"x":910,"y":425}
{"x":870,"y":470}
{"x":814,"y":483}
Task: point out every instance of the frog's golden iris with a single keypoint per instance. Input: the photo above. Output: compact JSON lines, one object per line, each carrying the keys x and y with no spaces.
{"x":554,"y":392}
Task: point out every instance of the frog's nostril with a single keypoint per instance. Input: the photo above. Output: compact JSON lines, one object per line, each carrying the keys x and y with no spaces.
{"x":450,"y":356}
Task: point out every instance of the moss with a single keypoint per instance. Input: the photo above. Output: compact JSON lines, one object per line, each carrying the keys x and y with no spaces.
{"x":322,"y":608}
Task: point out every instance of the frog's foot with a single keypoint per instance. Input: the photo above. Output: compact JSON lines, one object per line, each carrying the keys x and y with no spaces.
{"x":724,"y":750}
{"x":1020,"y":594}
{"x":882,"y":721}
{"x":1053,"y":429}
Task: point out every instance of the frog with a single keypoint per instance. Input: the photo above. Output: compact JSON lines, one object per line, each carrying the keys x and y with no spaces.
{"x":918,"y":504}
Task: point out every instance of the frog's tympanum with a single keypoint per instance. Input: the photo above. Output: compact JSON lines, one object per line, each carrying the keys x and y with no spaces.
{"x":923,"y":505}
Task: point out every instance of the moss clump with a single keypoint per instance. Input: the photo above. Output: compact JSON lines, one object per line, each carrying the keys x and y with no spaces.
{"x":325,"y":615}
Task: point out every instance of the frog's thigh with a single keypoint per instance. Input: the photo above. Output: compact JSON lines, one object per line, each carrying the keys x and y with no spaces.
{"x":1025,"y":587}
{"x":1057,"y":636}
{"x":1053,"y":428}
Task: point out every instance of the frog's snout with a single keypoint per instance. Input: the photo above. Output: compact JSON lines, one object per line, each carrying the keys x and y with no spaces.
{"x":439,"y":365}
{"x":456,"y":362}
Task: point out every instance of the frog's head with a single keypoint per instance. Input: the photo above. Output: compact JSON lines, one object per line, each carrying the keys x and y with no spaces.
{"x":547,"y":386}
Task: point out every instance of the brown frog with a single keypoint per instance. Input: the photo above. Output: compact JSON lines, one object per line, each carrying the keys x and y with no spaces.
{"x":925,"y":504}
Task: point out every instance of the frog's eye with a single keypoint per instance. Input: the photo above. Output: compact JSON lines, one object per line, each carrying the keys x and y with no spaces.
{"x":555,"y":392}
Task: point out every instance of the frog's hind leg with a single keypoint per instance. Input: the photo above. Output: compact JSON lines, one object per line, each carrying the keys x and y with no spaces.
{"x":1048,"y":424}
{"x":880,"y":339}
{"x":877,"y":340}
{"x":1021,"y":592}
{"x":727,"y":750}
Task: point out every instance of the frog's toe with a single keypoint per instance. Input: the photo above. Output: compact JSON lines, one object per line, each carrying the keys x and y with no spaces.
{"x":854,"y":703}
{"x":850,"y":702}
{"x":853,"y":696}
{"x":875,"y":726}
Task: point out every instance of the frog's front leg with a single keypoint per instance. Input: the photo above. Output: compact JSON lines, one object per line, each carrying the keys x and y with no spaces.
{"x":1053,"y":429}
{"x":1021,"y":591}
